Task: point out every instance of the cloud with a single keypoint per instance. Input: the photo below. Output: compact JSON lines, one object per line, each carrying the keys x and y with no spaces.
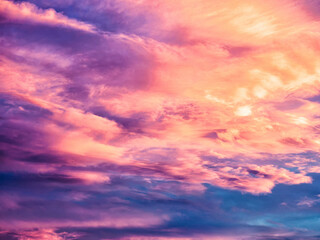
{"x":169,"y":119}
{"x":28,"y":12}
{"x":39,"y":234}
{"x":307,"y":202}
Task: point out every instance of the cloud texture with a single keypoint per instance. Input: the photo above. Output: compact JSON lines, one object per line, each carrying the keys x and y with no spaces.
{"x":124,"y":119}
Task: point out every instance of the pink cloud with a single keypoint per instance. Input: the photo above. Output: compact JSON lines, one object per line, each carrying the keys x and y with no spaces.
{"x":45,"y":234}
{"x":252,"y":103}
{"x":31,"y":13}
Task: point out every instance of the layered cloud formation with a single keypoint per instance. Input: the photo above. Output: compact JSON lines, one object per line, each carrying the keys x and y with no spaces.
{"x":125,"y":119}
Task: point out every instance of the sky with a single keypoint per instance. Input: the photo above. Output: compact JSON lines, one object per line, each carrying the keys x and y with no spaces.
{"x":159,"y":119}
